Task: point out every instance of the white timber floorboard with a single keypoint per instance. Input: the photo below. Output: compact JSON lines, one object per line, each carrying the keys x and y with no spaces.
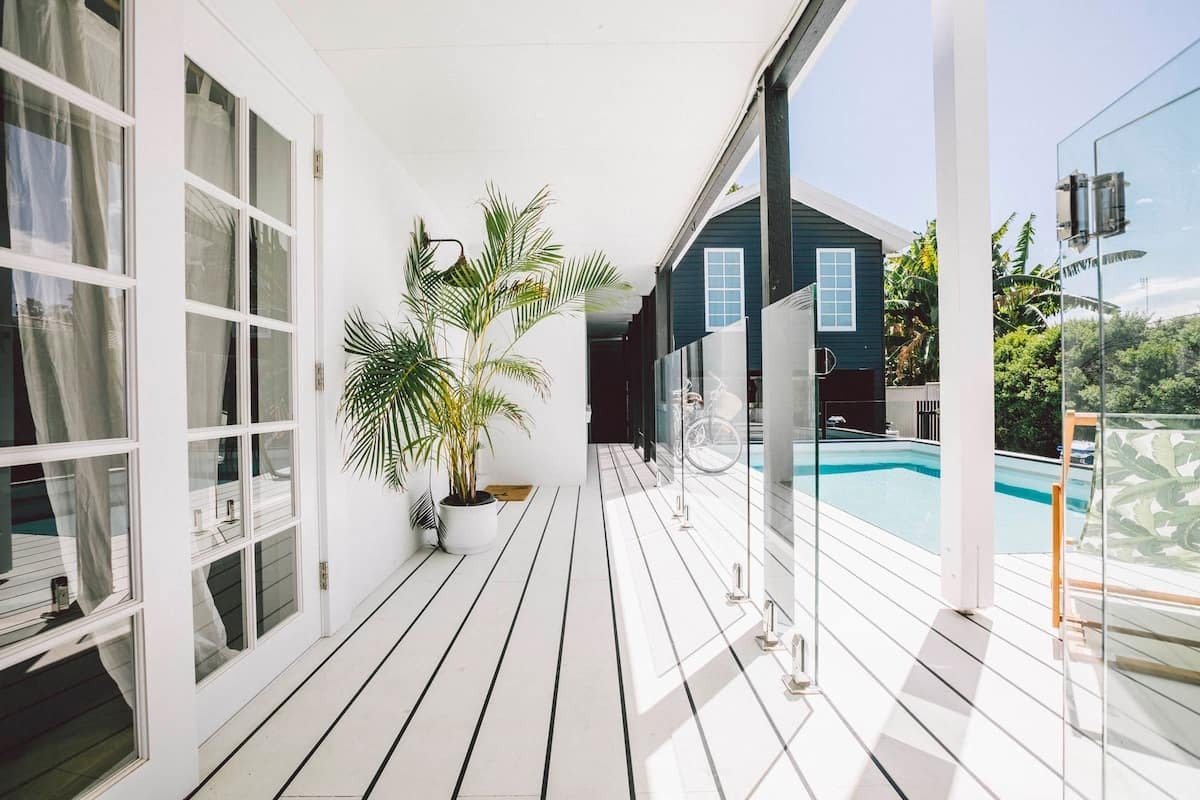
{"x":806,"y":725}
{"x":740,"y":740}
{"x":588,"y":755}
{"x":592,"y":654}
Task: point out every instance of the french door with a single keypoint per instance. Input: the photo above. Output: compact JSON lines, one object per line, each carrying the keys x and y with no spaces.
{"x":249,"y":307}
{"x":72,"y":644}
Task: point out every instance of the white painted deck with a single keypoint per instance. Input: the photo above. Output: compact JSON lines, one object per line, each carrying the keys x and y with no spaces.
{"x":592,"y":654}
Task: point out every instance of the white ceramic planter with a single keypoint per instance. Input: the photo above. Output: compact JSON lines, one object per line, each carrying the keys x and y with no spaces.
{"x":468,"y":529}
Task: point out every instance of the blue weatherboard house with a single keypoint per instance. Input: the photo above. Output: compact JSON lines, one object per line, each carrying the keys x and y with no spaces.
{"x":834,"y":244}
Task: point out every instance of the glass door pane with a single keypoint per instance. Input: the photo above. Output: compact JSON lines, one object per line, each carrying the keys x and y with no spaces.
{"x":210,"y":249}
{"x":70,"y":715}
{"x":210,"y":132}
{"x":218,"y":613}
{"x":62,"y":360}
{"x":65,"y":179}
{"x":788,"y":467}
{"x":81,"y":42}
{"x":270,"y":375}
{"x":212,"y":371}
{"x":270,"y":272}
{"x":270,"y":170}
{"x":65,"y":528}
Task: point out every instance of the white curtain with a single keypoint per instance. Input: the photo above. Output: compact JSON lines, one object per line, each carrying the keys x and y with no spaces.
{"x":209,"y":154}
{"x":60,"y":182}
{"x":209,"y":134}
{"x":210,"y":639}
{"x":210,"y":232}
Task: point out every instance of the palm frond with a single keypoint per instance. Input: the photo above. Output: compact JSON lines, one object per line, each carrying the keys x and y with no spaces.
{"x":527,"y":371}
{"x":1023,"y":281}
{"x":1078,"y":301}
{"x":489,"y":403}
{"x":1024,"y":242}
{"x":579,"y":285}
{"x":1082,"y":265}
{"x":422,"y":515}
{"x":393,"y":377}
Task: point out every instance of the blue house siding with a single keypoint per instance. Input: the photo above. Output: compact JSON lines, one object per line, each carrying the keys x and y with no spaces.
{"x":861,"y":349}
{"x":737,"y":227}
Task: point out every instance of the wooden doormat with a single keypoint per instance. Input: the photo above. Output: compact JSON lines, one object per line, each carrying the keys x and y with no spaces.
{"x":508,"y":493}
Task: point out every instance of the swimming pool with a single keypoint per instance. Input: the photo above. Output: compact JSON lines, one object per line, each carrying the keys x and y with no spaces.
{"x":895,"y":486}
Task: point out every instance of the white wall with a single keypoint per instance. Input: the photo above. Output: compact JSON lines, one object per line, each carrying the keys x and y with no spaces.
{"x":902,"y":405}
{"x":556,"y":452}
{"x":370,"y":203}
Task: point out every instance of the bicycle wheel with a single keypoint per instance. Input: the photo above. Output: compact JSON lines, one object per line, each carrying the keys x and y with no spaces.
{"x":712,"y":445}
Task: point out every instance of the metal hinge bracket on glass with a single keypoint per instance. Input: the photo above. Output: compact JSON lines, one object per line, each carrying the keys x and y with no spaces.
{"x":1081,"y":217}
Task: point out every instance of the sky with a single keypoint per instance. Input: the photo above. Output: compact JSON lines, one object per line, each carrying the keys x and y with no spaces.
{"x":862,"y":119}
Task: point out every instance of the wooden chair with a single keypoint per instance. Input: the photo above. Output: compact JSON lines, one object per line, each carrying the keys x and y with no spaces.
{"x":1136,"y":478}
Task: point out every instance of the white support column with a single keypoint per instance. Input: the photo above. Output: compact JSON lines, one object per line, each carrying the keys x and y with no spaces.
{"x":965,"y":301}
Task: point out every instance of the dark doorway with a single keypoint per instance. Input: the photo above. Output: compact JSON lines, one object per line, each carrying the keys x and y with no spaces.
{"x":850,"y":404}
{"x":606,"y":391}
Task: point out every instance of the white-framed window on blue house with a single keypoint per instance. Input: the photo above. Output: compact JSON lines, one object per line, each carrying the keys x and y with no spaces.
{"x":835,"y":289}
{"x":724,"y":286}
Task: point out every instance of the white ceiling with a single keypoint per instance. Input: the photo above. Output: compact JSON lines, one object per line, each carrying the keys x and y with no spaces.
{"x":621,"y":107}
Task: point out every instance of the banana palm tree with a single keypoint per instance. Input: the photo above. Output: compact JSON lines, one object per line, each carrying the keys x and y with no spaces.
{"x":428,"y":389}
{"x":911,"y":312}
{"x":1024,"y":296}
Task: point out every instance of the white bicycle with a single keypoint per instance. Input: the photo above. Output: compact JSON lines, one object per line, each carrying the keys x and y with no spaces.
{"x":711,"y":443}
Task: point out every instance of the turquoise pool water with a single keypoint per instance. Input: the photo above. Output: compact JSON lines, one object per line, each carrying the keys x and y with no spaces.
{"x":896,"y":487}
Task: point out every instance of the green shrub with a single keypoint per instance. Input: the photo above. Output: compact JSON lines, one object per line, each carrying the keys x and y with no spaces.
{"x":1028,"y":392}
{"x":1152,"y":366}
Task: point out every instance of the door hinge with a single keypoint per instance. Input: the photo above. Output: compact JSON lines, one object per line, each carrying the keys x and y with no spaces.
{"x":318,"y":164}
{"x":323,"y":573}
{"x":1108,"y":204}
{"x":1082,"y":214}
{"x":319,"y":376}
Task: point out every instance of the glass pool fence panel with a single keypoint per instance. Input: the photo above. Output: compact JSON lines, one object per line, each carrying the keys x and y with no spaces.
{"x":787,"y":469}
{"x":1150,"y":446}
{"x":668,"y":376}
{"x":1132,"y":558}
{"x":1083,"y":641}
{"x":716,"y":459}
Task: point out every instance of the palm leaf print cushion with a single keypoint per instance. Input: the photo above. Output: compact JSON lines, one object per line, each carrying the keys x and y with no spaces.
{"x":1150,"y":495}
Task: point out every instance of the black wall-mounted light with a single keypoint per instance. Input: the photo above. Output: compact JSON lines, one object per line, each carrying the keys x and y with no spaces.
{"x":462,"y":251}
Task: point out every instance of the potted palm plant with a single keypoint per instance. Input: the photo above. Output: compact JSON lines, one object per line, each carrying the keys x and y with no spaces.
{"x":427,"y":389}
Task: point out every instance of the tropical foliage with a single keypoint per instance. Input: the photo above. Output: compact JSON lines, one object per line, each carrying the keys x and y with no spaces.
{"x":428,"y":388}
{"x":1028,"y":396}
{"x":1150,"y":366}
{"x":1025,"y":296}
